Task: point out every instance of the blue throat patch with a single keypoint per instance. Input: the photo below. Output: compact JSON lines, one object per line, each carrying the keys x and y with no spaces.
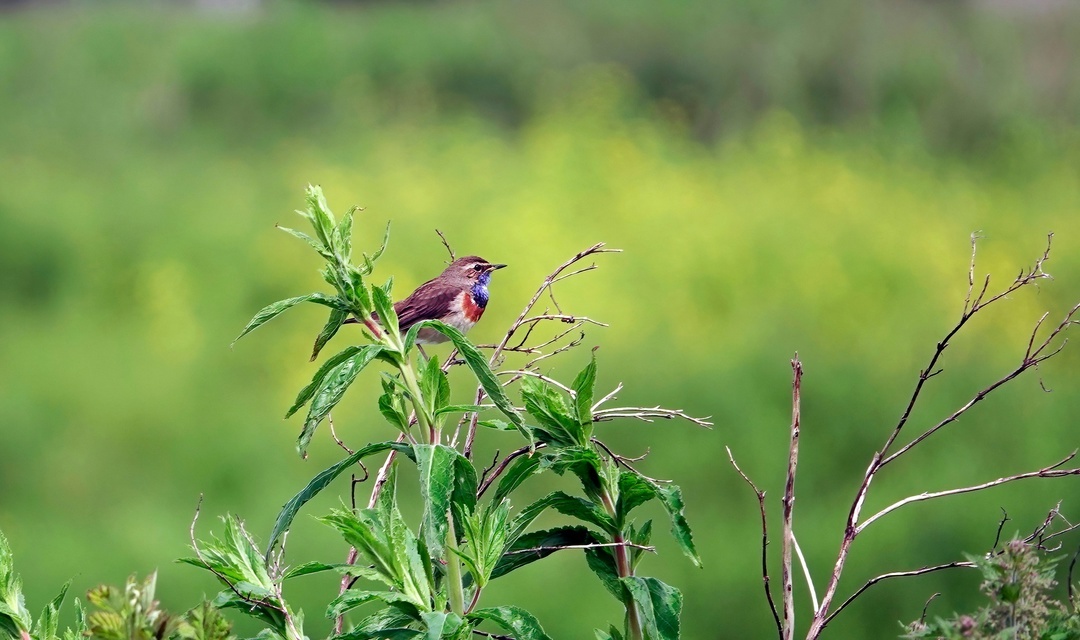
{"x":480,"y":290}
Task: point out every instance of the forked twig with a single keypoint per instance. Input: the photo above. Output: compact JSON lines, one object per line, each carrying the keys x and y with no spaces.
{"x":764,"y":543}
{"x":648,"y":414}
{"x":447,"y":245}
{"x":560,"y":273}
{"x":1051,"y":471}
{"x":897,"y":574}
{"x":1036,"y":353}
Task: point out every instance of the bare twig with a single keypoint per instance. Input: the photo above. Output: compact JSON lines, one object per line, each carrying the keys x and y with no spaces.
{"x":493,"y":636}
{"x":896,"y":574}
{"x":560,"y":273}
{"x":971,"y":307}
{"x":625,"y":461}
{"x":648,"y":414}
{"x":486,"y":481}
{"x":597,"y":545}
{"x":786,"y":542}
{"x":608,"y":397}
{"x":922,"y":618}
{"x":1046,"y":472}
{"x":1033,"y":356}
{"x":519,"y":373}
{"x":1001,"y":525}
{"x":764,"y":544}
{"x":1069,"y":575}
{"x":447,"y":245}
{"x":330,"y":421}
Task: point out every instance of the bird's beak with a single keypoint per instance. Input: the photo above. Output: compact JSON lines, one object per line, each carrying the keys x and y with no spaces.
{"x":492,"y":267}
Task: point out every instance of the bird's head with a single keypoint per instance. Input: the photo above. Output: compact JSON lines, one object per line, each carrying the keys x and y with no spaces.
{"x":472,"y":268}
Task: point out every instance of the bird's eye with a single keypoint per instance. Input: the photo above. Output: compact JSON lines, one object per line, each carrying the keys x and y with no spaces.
{"x":478,"y":267}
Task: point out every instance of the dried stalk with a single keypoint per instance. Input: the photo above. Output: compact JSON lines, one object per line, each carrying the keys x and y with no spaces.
{"x":787,"y":541}
{"x":1036,"y":353}
{"x":764,"y":544}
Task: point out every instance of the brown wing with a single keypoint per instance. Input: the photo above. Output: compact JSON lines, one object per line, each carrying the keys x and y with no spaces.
{"x":431,"y":301}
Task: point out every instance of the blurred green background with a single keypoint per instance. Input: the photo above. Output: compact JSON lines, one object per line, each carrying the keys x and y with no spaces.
{"x":782,"y":176}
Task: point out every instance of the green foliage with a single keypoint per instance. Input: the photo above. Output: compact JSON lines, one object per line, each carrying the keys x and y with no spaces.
{"x":137,"y":243}
{"x":425,"y":575}
{"x":14,"y":617}
{"x":250,"y":585}
{"x":1018,"y":583}
{"x":131,"y":613}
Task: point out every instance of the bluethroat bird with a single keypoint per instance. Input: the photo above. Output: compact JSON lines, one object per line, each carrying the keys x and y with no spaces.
{"x":457,"y":297}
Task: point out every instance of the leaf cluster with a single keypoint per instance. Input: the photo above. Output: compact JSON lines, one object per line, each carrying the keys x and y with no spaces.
{"x":426,"y":581}
{"x":1018,"y":583}
{"x":131,"y":613}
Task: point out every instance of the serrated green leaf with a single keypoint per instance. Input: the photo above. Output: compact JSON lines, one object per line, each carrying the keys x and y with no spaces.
{"x":498,"y":425}
{"x":659,"y":606}
{"x":393,"y":409}
{"x":583,"y":510}
{"x":440,"y":624}
{"x":486,"y":532}
{"x":602,"y":562}
{"x":383,"y":540}
{"x":643,"y":537}
{"x":322,"y":219}
{"x":558,"y":427}
{"x":565,"y":504}
{"x":309,"y":568}
{"x":436,"y":465}
{"x":382,"y":624}
{"x":588,"y":466}
{"x":463,"y":408}
{"x":516,"y":620}
{"x":480,"y":368}
{"x":332,"y":388}
{"x":343,"y":234}
{"x":583,"y":387}
{"x":671,"y":497}
{"x":271,"y":311}
{"x":352,"y":599}
{"x":434,"y":386}
{"x":369,"y":261}
{"x":320,"y":482}
{"x":384,"y":306}
{"x":14,"y":616}
{"x":611,"y":634}
{"x":634,"y":491}
{"x":315,"y":244}
{"x":545,"y":542}
{"x":465,"y":482}
{"x":519,"y":471}
{"x":309,"y":390}
{"x":329,"y":330}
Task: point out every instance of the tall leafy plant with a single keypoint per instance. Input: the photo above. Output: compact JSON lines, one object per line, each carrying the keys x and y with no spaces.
{"x":426,"y":580}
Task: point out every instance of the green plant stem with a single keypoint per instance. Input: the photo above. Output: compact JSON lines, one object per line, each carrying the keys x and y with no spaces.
{"x":455,"y":588}
{"x":408,"y":376}
{"x":622,"y":565}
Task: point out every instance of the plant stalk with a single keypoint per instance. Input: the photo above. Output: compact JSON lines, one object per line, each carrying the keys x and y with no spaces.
{"x":455,"y":588}
{"x":622,"y":565}
{"x":408,"y":376}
